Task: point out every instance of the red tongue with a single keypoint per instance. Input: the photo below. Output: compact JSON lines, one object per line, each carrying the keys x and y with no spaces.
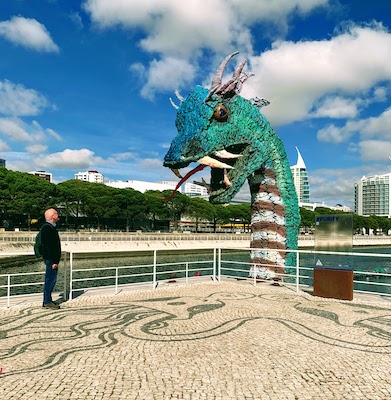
{"x":184,"y":179}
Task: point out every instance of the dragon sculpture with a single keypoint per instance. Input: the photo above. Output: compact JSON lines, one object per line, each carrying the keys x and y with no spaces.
{"x":219,"y":128}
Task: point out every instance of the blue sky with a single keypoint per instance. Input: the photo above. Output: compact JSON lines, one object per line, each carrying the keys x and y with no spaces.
{"x":86,"y":84}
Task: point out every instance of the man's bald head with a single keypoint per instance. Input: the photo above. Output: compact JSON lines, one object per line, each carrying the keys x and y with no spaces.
{"x":51,"y":215}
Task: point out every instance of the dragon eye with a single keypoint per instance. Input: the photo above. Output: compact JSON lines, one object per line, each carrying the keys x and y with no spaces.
{"x":221,"y":113}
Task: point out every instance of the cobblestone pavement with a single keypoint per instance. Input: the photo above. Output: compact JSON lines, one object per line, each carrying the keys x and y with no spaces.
{"x":204,"y":341}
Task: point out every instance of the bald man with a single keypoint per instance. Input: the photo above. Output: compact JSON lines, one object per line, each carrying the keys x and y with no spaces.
{"x":51,"y":252}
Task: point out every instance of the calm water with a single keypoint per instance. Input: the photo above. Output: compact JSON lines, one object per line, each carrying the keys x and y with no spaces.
{"x":171,"y":262}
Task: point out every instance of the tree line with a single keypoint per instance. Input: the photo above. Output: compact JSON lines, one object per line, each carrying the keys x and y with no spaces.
{"x":24,"y":198}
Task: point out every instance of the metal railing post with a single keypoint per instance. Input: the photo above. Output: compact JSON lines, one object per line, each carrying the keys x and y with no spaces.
{"x":65,"y":276}
{"x":154,"y":269}
{"x":214,"y":264}
{"x":8,"y":289}
{"x":187,"y":273}
{"x":297,"y":271}
{"x":116,"y":280}
{"x":219,"y":265}
{"x":71,"y":275}
{"x":255,"y":271}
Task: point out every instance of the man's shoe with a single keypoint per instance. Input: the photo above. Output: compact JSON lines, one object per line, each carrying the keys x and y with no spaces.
{"x":52,"y":306}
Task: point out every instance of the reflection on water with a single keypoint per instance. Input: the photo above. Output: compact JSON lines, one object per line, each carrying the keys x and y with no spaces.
{"x":200,"y":262}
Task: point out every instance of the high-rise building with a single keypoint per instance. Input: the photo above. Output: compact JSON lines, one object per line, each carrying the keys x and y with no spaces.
{"x":372,"y":195}
{"x":2,"y":162}
{"x":46,"y":176}
{"x":90,"y":176}
{"x":300,"y":179}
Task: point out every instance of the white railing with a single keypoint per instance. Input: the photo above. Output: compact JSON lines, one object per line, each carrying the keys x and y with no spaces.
{"x":29,"y":237}
{"x":123,"y":237}
{"x":217,"y":265}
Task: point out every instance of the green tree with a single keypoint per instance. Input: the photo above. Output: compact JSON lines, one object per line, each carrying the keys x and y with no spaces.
{"x":24,"y":194}
{"x":307,"y":218}
{"x":200,"y":209}
{"x":221,"y":215}
{"x":131,"y":205}
{"x":157,"y":208}
{"x":177,"y":206}
{"x":100,"y":202}
{"x":72,"y":196}
{"x":240,"y":214}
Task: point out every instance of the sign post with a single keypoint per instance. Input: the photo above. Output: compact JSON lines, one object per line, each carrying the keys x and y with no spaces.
{"x":333,"y":273}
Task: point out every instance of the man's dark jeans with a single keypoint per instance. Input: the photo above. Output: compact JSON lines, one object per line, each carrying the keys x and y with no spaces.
{"x":50,"y":281}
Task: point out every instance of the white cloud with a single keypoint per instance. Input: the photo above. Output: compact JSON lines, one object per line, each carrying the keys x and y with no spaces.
{"x":337,"y":107}
{"x":28,"y":33}
{"x":37,"y":148}
{"x":150,"y":163}
{"x":293,"y":76}
{"x":54,"y":134}
{"x":184,"y":26}
{"x":15,"y":129}
{"x":334,"y":186}
{"x":171,"y":28}
{"x":16,"y":100}
{"x":333,"y":134}
{"x":124,"y":156}
{"x":375,"y":150}
{"x":19,"y":131}
{"x":69,"y":159}
{"x":166,"y":74}
{"x":4,"y":146}
{"x":77,"y":20}
{"x":182,"y":30}
{"x":138,"y":69}
{"x":380,"y":93}
{"x":379,"y":127}
{"x":275,"y":12}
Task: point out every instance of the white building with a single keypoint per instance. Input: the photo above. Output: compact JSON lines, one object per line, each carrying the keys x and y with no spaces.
{"x":300,"y":179}
{"x":313,"y":206}
{"x":143,"y":186}
{"x":372,"y":195}
{"x":90,"y":176}
{"x":46,"y":176}
{"x":194,"y":190}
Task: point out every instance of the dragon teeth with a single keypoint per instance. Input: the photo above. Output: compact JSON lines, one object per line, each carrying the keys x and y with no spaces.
{"x":226,"y":154}
{"x":176,"y":172}
{"x":206,"y":185}
{"x":213,"y":163}
{"x":226,"y":179}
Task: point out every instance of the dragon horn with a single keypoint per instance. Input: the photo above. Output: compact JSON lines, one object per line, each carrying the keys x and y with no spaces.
{"x":178,"y":95}
{"x":173,"y":104}
{"x":216,"y":81}
{"x":239,"y":70}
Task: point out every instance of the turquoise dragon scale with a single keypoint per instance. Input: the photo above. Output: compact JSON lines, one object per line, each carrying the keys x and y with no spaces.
{"x":220,"y":129}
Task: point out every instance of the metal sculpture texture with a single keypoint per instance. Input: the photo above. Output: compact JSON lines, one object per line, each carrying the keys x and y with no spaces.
{"x":221,"y":129}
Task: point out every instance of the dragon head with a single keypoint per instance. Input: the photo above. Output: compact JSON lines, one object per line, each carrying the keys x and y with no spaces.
{"x":220,"y":129}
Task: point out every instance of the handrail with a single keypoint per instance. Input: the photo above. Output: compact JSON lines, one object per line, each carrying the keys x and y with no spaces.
{"x":216,"y":266}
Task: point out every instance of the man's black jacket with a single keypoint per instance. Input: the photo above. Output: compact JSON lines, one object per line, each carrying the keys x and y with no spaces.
{"x":51,"y":244}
